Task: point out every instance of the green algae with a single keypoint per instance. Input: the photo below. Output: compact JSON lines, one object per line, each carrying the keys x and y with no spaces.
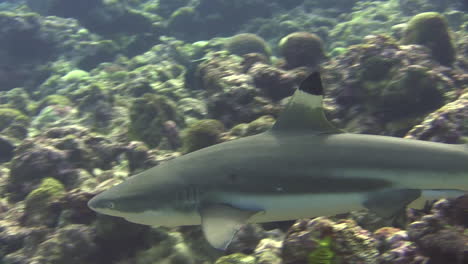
{"x":75,"y":76}
{"x":38,"y":209}
{"x":48,"y":190}
{"x":324,"y":253}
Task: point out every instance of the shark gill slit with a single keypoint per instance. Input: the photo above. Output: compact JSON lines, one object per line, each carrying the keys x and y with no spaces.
{"x":188,"y":197}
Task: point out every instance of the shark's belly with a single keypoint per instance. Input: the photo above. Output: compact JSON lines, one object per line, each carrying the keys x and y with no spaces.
{"x":167,"y":218}
{"x":291,"y":207}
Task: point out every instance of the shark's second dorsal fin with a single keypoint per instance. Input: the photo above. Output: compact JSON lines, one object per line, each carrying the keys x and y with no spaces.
{"x":305,"y":110}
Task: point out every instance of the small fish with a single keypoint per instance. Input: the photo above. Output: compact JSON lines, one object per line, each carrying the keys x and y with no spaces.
{"x":302,"y":167}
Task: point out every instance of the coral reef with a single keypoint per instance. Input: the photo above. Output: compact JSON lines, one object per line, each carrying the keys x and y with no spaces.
{"x":94,"y":91}
{"x":382,"y":86}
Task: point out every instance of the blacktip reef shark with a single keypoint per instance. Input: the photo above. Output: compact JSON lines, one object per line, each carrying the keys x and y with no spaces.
{"x":302,"y":167}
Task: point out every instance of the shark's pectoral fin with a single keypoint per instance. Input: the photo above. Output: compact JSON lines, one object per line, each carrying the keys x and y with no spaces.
{"x":389,"y":202}
{"x":305,"y":110}
{"x":220,"y":222}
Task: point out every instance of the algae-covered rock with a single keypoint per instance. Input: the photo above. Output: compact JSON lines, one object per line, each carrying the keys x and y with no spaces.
{"x":171,"y":246}
{"x":73,"y":244}
{"x":202,"y":134}
{"x":441,"y":235}
{"x":9,"y":116}
{"x":53,"y":99}
{"x":239,"y":130}
{"x":16,"y":98}
{"x":245,"y":43}
{"x":13,"y":123}
{"x":277,"y":83}
{"x":370,"y":18}
{"x":268,"y":251}
{"x":166,"y":7}
{"x":430,"y":29}
{"x":396,"y":247}
{"x":147,"y":117}
{"x":301,"y":49}
{"x":237,"y":258}
{"x":448,"y":124}
{"x":105,"y":17}
{"x":414,"y":92}
{"x":260,"y":125}
{"x":233,"y":97}
{"x":75,"y":76}
{"x":95,"y":104}
{"x":30,"y":167}
{"x":54,"y":115}
{"x":249,"y":236}
{"x":6,"y":149}
{"x":38,"y":210}
{"x":390,"y":87}
{"x":413,"y":7}
{"x":183,"y":20}
{"x":138,"y":157}
{"x":119,"y":238}
{"x":220,"y":17}
{"x":375,"y":68}
{"x":344,"y":242}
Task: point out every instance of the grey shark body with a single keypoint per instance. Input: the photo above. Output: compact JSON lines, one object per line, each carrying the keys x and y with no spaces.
{"x":302,"y":167}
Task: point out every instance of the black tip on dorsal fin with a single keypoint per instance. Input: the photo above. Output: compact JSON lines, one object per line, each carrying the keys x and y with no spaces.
{"x":312,"y":84}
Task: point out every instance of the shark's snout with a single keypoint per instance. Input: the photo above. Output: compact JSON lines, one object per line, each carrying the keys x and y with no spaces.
{"x":98,"y":204}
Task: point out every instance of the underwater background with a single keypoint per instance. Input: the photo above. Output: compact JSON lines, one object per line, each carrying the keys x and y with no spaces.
{"x":93,"y":91}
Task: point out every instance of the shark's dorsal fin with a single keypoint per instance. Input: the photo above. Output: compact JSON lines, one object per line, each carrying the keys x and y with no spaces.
{"x":305,"y":110}
{"x":220,"y":222}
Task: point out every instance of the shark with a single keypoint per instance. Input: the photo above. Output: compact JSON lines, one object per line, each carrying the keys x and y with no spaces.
{"x":302,"y":167}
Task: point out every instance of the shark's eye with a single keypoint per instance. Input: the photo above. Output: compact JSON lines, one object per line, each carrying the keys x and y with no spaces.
{"x":110,"y":205}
